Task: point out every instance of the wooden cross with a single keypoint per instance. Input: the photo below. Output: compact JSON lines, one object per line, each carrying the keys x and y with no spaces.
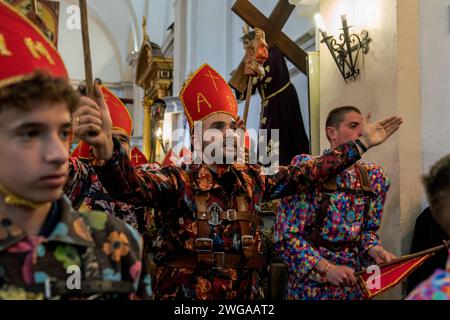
{"x":273,"y":26}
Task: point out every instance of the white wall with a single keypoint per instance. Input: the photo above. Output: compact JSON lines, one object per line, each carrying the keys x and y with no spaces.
{"x":435,"y":62}
{"x":106,"y":57}
{"x":115,"y":28}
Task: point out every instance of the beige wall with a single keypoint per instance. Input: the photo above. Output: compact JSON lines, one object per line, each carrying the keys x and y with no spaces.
{"x":389,"y":84}
{"x":435,"y":61}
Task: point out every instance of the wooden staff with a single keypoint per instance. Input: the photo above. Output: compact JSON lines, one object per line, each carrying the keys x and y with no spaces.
{"x":86,"y":49}
{"x":247,"y":99}
{"x":409,"y":257}
{"x":34,"y":6}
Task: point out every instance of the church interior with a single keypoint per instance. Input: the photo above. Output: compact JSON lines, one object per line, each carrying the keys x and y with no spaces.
{"x":386,"y":57}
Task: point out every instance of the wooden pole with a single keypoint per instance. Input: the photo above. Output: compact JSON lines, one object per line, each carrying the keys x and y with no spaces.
{"x":247,"y":99}
{"x":34,"y":6}
{"x":86,"y":49}
{"x":409,"y":257}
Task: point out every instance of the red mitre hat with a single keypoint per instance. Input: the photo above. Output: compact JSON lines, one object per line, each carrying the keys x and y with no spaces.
{"x":81,"y":151}
{"x":170,"y":159}
{"x":120,"y":116}
{"x":137,"y":157}
{"x":121,"y":120}
{"x":24,"y":49}
{"x":207,"y":93}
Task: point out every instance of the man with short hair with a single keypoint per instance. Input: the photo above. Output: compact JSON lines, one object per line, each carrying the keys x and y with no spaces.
{"x":47,"y":250}
{"x":324,"y":233}
{"x":437,"y":186}
{"x":209,"y":243}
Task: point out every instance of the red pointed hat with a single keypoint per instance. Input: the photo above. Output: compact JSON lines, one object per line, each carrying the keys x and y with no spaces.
{"x":81,"y":151}
{"x":170,"y":159}
{"x":137,"y":157}
{"x":120,"y":116}
{"x":207,"y":93}
{"x":121,"y":120}
{"x":24,"y":49}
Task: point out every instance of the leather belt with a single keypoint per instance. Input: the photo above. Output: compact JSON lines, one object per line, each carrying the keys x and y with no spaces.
{"x":216,"y":261}
{"x":229,"y":215}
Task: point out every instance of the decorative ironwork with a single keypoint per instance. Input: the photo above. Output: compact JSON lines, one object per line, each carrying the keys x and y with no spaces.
{"x":347,"y":51}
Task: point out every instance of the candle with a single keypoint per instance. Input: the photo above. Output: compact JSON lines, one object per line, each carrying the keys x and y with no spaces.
{"x":319,"y":22}
{"x":344,"y":20}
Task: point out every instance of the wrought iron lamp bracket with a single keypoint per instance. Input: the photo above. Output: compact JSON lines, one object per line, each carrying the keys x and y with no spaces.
{"x":346,"y":51}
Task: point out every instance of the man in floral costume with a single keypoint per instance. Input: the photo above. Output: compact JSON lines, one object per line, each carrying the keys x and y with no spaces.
{"x":47,"y":250}
{"x":437,"y":185}
{"x":208,"y":244}
{"x":325,"y":233}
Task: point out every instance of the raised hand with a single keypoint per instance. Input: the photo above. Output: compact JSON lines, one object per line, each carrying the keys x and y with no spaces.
{"x":92,"y":124}
{"x":376,"y":133}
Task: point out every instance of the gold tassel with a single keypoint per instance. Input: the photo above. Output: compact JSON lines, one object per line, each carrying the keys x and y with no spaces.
{"x":14,"y":200}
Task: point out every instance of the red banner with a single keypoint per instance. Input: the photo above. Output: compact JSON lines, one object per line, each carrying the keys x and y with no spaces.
{"x":389,"y":276}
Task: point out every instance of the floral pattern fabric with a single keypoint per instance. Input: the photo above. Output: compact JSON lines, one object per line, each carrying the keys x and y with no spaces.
{"x":172,"y":192}
{"x":86,"y":193}
{"x":345,"y":221}
{"x":437,"y":287}
{"x":103,"y":248}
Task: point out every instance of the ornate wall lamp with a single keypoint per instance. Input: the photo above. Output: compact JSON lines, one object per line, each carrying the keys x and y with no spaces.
{"x":346,"y":52}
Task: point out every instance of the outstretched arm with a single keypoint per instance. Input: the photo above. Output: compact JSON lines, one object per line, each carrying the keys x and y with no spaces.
{"x":293,"y":179}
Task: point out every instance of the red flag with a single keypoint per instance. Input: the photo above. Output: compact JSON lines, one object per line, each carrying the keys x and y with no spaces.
{"x":389,"y":275}
{"x":392,"y":273}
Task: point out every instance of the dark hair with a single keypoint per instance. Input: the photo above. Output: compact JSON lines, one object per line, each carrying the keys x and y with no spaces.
{"x":437,"y":186}
{"x":26,"y":94}
{"x":337,"y":115}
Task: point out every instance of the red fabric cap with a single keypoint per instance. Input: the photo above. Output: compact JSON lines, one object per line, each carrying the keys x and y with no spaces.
{"x":81,"y":151}
{"x":137,"y":157}
{"x":120,"y":116}
{"x":24,"y":49}
{"x":207,"y":93}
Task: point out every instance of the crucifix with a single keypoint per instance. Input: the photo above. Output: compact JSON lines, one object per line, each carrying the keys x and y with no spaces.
{"x":272,"y":27}
{"x":280,"y":106}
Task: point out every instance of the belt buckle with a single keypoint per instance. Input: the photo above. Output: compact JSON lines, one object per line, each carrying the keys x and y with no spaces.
{"x":209,"y":241}
{"x":231,"y":215}
{"x":243,"y":238}
{"x":216,"y":266}
{"x":215,"y":216}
